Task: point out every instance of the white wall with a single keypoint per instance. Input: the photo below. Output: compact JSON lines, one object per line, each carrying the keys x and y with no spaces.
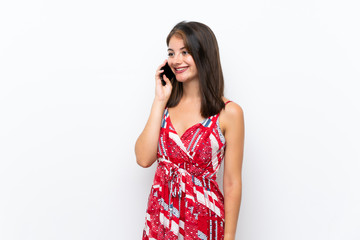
{"x":76,"y":86}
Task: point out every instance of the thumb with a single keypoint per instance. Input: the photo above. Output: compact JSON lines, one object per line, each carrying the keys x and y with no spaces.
{"x":167,"y":81}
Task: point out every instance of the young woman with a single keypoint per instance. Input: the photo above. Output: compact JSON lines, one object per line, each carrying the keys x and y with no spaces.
{"x":191,"y":130}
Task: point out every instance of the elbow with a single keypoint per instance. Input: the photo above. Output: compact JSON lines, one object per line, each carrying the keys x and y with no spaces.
{"x":233,"y":189}
{"x":233,"y":184}
{"x":143,"y":158}
{"x":143,"y":164}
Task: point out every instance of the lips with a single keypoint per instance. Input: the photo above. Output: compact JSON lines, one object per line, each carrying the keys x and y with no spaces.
{"x":181,"y":69}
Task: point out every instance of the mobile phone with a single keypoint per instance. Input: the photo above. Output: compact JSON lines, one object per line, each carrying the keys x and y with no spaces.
{"x":168,"y":73}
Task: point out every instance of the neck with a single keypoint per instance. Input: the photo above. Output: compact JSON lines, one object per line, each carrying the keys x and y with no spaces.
{"x":191,"y":90}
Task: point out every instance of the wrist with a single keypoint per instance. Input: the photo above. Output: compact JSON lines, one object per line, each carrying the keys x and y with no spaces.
{"x":159,"y":103}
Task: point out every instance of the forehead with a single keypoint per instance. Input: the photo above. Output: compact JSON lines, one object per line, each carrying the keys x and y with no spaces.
{"x":176,"y":43}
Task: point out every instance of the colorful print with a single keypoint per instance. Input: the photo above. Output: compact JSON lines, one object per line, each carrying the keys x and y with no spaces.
{"x":185,"y":201}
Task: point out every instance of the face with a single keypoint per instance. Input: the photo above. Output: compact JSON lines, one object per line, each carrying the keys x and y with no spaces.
{"x":180,"y":61}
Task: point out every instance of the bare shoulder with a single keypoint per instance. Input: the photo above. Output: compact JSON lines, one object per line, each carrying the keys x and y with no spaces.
{"x":233,"y":110}
{"x":231,"y":117}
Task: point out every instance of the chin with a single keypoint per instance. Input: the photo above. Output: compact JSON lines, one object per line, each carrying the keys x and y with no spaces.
{"x":182,"y":79}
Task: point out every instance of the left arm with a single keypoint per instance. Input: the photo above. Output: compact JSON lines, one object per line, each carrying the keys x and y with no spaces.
{"x":234,"y":134}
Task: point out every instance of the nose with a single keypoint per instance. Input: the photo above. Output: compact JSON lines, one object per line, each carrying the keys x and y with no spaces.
{"x":178,"y":58}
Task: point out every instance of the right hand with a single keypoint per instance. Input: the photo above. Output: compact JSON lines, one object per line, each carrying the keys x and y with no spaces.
{"x":162,"y":93}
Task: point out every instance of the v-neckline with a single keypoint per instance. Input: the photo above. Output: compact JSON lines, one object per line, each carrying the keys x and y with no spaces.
{"x":182,"y":135}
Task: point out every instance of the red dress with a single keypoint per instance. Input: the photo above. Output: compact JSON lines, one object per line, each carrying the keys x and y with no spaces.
{"x":185,"y":201}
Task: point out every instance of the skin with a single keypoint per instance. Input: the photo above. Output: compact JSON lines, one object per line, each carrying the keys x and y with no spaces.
{"x":185,"y":115}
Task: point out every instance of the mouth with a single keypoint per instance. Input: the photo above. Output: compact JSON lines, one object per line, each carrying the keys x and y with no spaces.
{"x":181,"y":69}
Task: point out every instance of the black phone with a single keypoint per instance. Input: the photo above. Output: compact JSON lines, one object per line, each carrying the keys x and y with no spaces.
{"x":168,"y":73}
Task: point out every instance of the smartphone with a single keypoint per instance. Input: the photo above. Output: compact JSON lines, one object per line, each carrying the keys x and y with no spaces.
{"x":168,"y":73}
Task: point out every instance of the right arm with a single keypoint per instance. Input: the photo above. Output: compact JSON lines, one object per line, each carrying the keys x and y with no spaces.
{"x":147,"y":142}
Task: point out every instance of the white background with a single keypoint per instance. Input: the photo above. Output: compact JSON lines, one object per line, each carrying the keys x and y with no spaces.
{"x":77,"y":83}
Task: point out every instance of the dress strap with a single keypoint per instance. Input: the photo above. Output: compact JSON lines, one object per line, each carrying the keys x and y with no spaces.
{"x":217,"y":115}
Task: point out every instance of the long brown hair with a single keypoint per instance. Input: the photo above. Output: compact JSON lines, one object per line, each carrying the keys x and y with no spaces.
{"x":201,"y":43}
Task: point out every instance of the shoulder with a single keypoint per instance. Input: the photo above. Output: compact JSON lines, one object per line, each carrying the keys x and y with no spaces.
{"x":231,"y":117}
{"x":232,"y":110}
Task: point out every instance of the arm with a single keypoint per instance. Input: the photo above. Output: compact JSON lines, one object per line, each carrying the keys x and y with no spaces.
{"x":234,"y":135}
{"x":147,"y":142}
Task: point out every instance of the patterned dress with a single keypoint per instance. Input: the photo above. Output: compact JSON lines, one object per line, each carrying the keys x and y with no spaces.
{"x":185,"y":201}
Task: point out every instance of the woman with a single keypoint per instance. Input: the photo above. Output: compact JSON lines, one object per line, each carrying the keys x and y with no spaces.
{"x":192,"y":128}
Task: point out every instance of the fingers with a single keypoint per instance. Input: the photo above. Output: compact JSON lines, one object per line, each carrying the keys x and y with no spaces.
{"x":158,"y":73}
{"x":159,"y":70}
{"x":161,"y":65}
{"x":167,"y":80}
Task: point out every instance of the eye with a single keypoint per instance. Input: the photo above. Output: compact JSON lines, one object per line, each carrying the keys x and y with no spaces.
{"x":185,"y":52}
{"x":170,"y":54}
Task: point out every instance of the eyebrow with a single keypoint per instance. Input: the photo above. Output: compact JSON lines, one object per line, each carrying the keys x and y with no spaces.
{"x":169,"y":49}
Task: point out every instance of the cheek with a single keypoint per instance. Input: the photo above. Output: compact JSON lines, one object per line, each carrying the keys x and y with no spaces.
{"x":171,"y":65}
{"x":193,"y":65}
{"x":191,"y":61}
{"x":170,"y":61}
